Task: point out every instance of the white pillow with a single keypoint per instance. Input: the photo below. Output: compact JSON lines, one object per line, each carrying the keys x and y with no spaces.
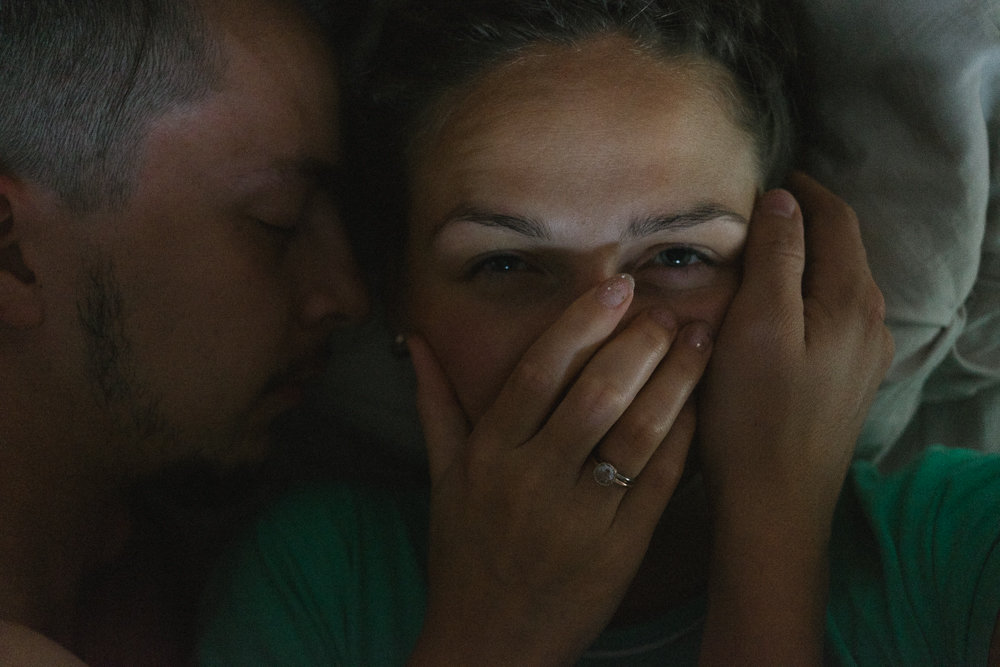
{"x":904,"y":124}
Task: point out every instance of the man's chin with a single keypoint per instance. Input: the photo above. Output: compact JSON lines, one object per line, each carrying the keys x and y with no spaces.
{"x":248,"y":449}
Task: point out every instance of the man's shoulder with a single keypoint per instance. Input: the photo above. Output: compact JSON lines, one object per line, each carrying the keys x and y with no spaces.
{"x":333,"y":571}
{"x":335,"y":526}
{"x":347,"y":504}
{"x":25,"y":647}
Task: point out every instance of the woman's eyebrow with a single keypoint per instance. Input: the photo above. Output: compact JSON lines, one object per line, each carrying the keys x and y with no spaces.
{"x":640,"y":227}
{"x":637,"y":228}
{"x":519,"y":225}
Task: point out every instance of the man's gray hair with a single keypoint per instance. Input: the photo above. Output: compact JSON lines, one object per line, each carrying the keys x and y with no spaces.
{"x":81,"y":81}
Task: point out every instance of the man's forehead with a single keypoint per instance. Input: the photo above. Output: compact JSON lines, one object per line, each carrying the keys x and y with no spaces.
{"x":287,"y":173}
{"x":256,"y":19}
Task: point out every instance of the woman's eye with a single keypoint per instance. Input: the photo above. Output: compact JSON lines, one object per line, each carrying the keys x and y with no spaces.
{"x":684,"y":267}
{"x":498,"y":265}
{"x":680,"y":257}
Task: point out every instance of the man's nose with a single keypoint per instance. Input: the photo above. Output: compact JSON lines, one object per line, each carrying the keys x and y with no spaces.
{"x":331,"y":291}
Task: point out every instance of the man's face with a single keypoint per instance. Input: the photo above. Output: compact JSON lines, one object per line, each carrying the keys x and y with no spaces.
{"x":205,"y":303}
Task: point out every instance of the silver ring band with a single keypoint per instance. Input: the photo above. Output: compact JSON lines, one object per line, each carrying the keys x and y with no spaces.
{"x":606,"y":474}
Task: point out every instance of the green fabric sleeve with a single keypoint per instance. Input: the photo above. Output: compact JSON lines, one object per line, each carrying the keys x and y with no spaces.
{"x":329,"y":576}
{"x":915,"y":563}
{"x":334,"y":576}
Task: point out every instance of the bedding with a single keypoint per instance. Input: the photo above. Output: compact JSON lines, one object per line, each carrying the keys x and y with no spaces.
{"x":901,"y":117}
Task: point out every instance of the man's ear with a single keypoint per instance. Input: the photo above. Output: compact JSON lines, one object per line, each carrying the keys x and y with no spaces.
{"x":21,"y":304}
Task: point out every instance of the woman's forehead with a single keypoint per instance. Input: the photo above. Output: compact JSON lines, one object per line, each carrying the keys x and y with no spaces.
{"x":577,"y":127}
{"x":603,"y":93}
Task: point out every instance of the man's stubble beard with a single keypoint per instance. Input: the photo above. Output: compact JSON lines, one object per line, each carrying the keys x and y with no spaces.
{"x":134,"y":410}
{"x":151,"y":440}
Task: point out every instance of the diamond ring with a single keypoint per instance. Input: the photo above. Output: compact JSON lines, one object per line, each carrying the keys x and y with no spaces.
{"x":606,"y":474}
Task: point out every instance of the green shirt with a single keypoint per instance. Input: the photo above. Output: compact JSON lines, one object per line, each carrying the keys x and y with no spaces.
{"x":335,"y":576}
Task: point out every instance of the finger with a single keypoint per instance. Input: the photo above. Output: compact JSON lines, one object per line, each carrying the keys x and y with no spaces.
{"x":837,"y":266}
{"x":640,"y":431}
{"x":773,"y":264}
{"x":644,"y":503}
{"x":551,"y":363}
{"x":838,"y":283}
{"x":606,"y":387}
{"x":445,"y":426}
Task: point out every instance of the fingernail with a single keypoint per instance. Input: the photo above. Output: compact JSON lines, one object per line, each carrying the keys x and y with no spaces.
{"x":778,"y":202}
{"x":699,"y":336}
{"x":616,"y":291}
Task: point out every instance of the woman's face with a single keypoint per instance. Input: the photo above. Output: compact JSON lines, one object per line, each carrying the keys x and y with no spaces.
{"x":558,"y":170}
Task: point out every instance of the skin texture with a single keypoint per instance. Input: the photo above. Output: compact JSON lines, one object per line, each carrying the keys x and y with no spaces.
{"x":20,"y":646}
{"x":527,"y":193}
{"x":520,"y":533}
{"x":580,"y":149}
{"x":592,"y":162}
{"x":179,"y":326}
{"x":807,"y":332}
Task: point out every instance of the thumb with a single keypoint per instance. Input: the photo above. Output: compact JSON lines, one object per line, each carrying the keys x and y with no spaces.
{"x":445,"y":426}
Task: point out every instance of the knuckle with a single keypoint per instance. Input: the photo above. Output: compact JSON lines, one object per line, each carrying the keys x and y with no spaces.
{"x":652,"y":336}
{"x":856,"y":301}
{"x":785,"y":247}
{"x":599,"y":396}
{"x":876,"y":304}
{"x":766,"y":334}
{"x":850,"y":287}
{"x":532,"y":378}
{"x":646,"y":427}
{"x":864,"y":304}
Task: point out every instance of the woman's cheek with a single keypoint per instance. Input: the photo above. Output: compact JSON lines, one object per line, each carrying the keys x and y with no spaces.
{"x":476,"y":349}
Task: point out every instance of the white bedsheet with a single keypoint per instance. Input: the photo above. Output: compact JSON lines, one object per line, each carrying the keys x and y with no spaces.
{"x":904,"y":124}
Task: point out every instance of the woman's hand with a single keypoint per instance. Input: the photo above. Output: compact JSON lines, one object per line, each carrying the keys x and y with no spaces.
{"x":529,"y":556}
{"x":798,"y":359}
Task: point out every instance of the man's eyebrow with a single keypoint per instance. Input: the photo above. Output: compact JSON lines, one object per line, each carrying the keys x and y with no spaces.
{"x":640,"y":227}
{"x":519,"y":225}
{"x":313,"y":172}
